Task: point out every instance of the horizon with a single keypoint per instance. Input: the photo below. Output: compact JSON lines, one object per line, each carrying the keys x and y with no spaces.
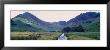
{"x":52,"y":16}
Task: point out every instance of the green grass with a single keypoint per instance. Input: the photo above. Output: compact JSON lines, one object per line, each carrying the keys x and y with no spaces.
{"x":83,"y":35}
{"x":54,"y":35}
{"x":76,"y":37}
{"x":34,"y":35}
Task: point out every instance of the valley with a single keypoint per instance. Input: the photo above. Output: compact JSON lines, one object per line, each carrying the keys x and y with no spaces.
{"x":85,"y":26}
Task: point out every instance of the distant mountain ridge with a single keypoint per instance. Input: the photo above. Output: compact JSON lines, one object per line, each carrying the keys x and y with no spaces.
{"x":84,"y":17}
{"x":29,"y":22}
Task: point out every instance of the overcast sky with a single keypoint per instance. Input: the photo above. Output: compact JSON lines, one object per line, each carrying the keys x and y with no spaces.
{"x":52,"y":16}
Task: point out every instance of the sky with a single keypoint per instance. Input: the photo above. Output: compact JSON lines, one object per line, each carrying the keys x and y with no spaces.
{"x":51,"y":16}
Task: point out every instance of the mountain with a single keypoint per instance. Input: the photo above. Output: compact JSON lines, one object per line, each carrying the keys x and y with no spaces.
{"x":88,"y":20}
{"x":28,"y":22}
{"x":84,"y":17}
{"x":31,"y":22}
{"x":25,"y":22}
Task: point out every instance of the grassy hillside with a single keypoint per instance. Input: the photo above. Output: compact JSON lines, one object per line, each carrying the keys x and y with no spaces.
{"x":93,"y":27}
{"x":83,"y":35}
{"x":22,"y":26}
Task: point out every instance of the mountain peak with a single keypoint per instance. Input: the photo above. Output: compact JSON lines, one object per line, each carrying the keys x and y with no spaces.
{"x":30,"y":16}
{"x":26,"y":13}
